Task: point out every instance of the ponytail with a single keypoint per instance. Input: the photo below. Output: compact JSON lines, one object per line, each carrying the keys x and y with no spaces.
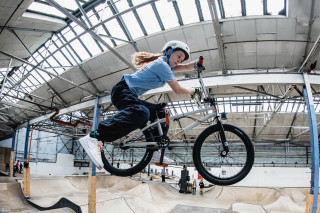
{"x":141,"y":58}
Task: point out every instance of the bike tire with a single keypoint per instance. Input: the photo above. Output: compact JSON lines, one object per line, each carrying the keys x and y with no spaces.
{"x":219,"y":169}
{"x":142,"y":159}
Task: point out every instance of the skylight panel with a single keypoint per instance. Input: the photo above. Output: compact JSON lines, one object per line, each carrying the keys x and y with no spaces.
{"x":67,"y":54}
{"x":90,"y":44}
{"x":115,"y":30}
{"x":77,"y":46}
{"x":108,"y":40}
{"x":52,"y":47}
{"x":206,"y":10}
{"x":112,"y":26}
{"x":67,"y":33}
{"x":121,"y":5}
{"x":188,"y":11}
{"x":149,"y":19}
{"x":3,"y":72}
{"x":232,"y":8}
{"x":38,"y":77}
{"x":132,"y":25}
{"x":71,"y":5}
{"x":92,"y":19}
{"x":167,"y":14}
{"x":43,"y":8}
{"x":30,"y":83}
{"x":38,"y":57}
{"x":254,"y":7}
{"x":52,"y":63}
{"x":45,"y":76}
{"x":275,"y":6}
{"x":77,"y":29}
{"x":41,"y":52}
{"x":62,"y":60}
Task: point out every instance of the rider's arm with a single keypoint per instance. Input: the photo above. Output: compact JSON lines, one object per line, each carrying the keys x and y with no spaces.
{"x":175,"y":86}
{"x":185,"y":67}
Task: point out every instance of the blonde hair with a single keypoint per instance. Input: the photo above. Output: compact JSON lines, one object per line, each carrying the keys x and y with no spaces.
{"x":139,"y":59}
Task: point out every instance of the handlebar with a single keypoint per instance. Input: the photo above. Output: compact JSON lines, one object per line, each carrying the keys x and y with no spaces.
{"x":203,"y":93}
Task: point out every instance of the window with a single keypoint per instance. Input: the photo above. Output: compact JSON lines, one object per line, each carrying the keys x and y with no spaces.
{"x":276,"y":7}
{"x":45,"y":9}
{"x":232,"y":8}
{"x":254,"y":7}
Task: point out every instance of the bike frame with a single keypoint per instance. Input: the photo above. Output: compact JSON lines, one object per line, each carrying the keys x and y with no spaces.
{"x":136,"y":136}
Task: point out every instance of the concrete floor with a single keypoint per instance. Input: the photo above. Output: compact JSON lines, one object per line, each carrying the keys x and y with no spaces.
{"x":139,"y":194}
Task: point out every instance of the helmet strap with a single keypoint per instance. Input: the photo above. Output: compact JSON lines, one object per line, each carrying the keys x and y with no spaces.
{"x":168,"y":55}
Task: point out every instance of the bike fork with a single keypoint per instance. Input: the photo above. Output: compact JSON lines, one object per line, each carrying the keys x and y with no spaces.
{"x":224,"y":142}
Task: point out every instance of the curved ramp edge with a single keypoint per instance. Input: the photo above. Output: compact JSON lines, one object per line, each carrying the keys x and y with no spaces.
{"x":62,"y":203}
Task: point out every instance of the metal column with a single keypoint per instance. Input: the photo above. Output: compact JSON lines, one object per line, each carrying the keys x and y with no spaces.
{"x":13,"y":140}
{"x":25,"y":158}
{"x":95,"y":124}
{"x":314,"y":189}
{"x":92,"y":170}
{"x":26,"y":169}
{"x":12,"y":153}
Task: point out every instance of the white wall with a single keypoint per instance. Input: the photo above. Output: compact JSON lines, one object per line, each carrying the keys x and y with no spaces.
{"x":63,"y":166}
{"x":277,"y":177}
{"x":260,"y":176}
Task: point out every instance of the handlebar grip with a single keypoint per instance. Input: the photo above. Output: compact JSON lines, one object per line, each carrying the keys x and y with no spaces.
{"x":200,"y":62}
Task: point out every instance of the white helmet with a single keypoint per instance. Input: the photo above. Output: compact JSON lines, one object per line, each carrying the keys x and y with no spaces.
{"x":174,"y":45}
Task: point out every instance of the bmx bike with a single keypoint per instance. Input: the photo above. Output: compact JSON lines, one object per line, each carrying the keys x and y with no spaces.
{"x":223,"y":154}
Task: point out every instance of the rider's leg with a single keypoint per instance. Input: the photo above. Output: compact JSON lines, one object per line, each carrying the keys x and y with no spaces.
{"x":124,"y":122}
{"x":132,"y":115}
{"x":157,"y":111}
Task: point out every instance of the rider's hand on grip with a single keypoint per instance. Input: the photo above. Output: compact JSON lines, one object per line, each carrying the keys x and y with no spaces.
{"x":196,"y":92}
{"x":198,"y":66}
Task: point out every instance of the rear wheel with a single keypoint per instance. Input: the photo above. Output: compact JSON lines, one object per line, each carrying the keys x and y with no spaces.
{"x":125,"y":162}
{"x":220,"y":167}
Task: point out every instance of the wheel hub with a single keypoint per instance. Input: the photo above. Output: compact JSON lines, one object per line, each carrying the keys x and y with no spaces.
{"x":224,"y":153}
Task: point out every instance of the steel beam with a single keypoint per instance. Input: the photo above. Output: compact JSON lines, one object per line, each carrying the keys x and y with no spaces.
{"x":138,"y":19}
{"x":43,"y":70}
{"x":311,"y":56}
{"x":217,"y":30}
{"x":156,"y":13}
{"x":102,"y":24}
{"x":282,"y":101}
{"x":176,"y":8}
{"x":24,"y":46}
{"x":122,"y":24}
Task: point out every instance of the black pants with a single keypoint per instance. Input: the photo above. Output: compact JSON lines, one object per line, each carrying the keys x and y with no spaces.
{"x":133,"y":113}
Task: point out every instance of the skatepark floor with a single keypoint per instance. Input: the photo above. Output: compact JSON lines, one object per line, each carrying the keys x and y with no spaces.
{"x":139,"y":194}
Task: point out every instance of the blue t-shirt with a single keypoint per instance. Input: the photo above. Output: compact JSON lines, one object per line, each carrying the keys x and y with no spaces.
{"x":151,"y":76}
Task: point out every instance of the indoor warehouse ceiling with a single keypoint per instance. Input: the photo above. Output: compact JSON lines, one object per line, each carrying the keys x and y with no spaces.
{"x":62,"y":55}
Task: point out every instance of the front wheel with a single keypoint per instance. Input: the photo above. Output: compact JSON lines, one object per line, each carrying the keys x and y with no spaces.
{"x":217,"y":166}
